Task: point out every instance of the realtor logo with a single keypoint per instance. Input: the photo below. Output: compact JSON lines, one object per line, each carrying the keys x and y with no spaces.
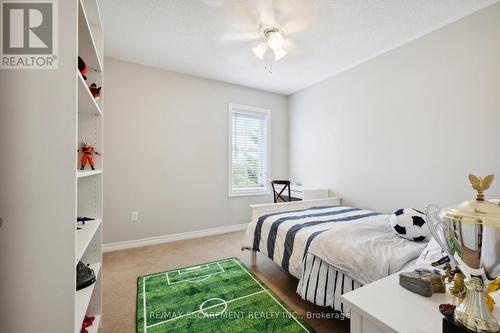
{"x":29,"y":34}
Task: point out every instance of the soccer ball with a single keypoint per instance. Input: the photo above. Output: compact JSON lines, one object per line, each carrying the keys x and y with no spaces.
{"x":410,"y":223}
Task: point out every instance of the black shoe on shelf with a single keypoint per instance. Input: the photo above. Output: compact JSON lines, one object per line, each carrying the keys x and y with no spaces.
{"x":85,"y":276}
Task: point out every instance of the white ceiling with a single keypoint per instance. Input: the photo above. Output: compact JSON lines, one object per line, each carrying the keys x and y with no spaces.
{"x":214,"y":38}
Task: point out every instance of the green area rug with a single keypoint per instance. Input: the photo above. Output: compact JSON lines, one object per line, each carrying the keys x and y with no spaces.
{"x":220,"y":296}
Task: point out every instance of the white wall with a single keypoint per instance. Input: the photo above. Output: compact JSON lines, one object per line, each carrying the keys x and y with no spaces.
{"x":165,"y":146}
{"x":405,"y":128}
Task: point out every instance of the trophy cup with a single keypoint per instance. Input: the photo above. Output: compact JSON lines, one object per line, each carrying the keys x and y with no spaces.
{"x":470,"y":234}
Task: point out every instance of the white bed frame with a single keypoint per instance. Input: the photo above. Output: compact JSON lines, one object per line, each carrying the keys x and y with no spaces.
{"x":259,"y":210}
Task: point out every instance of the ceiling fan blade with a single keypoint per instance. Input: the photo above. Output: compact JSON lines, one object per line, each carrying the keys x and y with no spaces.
{"x":296,"y":16}
{"x":265,"y":8}
{"x":214,"y":3}
{"x":294,"y":26}
{"x":240,"y":36}
{"x":290,"y":46}
{"x":242,"y":57}
{"x":294,"y":50}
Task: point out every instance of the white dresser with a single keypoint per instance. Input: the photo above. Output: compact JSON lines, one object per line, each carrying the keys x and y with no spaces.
{"x":385,"y":306}
{"x":300,"y":192}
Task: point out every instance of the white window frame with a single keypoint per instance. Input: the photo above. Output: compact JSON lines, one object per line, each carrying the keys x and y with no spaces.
{"x":255,"y":111}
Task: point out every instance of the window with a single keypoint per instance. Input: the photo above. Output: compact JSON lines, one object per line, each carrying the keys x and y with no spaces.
{"x":249,"y":150}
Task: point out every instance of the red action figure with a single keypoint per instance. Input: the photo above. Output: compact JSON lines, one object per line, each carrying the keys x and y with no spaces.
{"x":87,"y":322}
{"x":87,"y":155}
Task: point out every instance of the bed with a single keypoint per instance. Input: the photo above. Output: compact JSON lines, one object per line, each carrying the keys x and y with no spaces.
{"x":319,"y":243}
{"x":323,"y":284}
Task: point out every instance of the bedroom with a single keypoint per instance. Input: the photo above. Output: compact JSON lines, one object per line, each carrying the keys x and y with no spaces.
{"x":365,"y":107}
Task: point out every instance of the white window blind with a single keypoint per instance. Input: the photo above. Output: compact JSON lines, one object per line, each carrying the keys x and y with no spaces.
{"x":249,"y":150}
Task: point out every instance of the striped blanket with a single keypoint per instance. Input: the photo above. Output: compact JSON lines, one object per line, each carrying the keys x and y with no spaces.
{"x":286,"y":236}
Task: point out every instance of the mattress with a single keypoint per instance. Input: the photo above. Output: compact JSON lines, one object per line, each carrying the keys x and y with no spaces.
{"x":286,"y":236}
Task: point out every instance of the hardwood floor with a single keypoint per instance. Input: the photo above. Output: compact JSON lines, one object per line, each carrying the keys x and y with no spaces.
{"x":121,"y":269}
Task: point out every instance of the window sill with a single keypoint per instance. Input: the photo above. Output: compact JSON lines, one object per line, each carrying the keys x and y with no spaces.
{"x":248,"y":194}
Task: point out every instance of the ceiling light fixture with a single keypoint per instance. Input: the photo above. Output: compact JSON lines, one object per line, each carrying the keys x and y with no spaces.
{"x":275,"y":41}
{"x":271,"y":49}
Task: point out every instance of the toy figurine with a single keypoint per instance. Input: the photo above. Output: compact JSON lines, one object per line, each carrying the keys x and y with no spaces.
{"x":84,"y":219}
{"x":87,"y":155}
{"x":87,"y":322}
{"x":82,"y":67}
{"x":96,"y":92}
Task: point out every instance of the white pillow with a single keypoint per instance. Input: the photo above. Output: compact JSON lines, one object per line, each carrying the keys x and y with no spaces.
{"x":430,"y":254}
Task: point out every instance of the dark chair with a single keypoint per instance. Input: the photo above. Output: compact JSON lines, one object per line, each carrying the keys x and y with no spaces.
{"x":278,"y":195}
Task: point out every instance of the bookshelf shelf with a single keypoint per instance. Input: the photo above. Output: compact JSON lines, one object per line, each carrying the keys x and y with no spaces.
{"x":88,"y":247}
{"x":86,"y":102}
{"x":88,"y":38}
{"x":81,"y":174}
{"x":85,"y":235}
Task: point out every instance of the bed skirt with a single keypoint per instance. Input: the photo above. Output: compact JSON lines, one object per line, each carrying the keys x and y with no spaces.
{"x":323,"y":285}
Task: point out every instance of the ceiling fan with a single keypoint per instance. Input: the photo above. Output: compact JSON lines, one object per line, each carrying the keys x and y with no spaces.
{"x":271,"y":49}
{"x":271,"y":27}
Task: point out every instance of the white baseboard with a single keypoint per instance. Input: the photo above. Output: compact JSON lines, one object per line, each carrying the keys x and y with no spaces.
{"x":171,"y":238}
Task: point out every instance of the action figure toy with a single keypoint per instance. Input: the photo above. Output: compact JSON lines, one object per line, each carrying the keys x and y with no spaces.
{"x":96,"y":91}
{"x":82,"y":67}
{"x":84,"y":219}
{"x":88,"y":153}
{"x":87,"y":322}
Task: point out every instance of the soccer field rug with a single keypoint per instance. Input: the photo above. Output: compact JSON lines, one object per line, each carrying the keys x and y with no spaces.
{"x":219,"y":296}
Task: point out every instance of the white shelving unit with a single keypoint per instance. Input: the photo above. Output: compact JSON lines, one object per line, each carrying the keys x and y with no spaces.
{"x":85,"y":235}
{"x":86,"y":103}
{"x":90,"y":34}
{"x":88,"y":173}
{"x":84,"y":296}
{"x":88,"y":247}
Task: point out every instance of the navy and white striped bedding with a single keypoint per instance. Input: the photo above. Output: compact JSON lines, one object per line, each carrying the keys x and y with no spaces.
{"x":286,"y":236}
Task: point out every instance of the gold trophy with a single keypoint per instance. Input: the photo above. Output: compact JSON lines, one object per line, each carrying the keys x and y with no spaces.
{"x":470,"y":234}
